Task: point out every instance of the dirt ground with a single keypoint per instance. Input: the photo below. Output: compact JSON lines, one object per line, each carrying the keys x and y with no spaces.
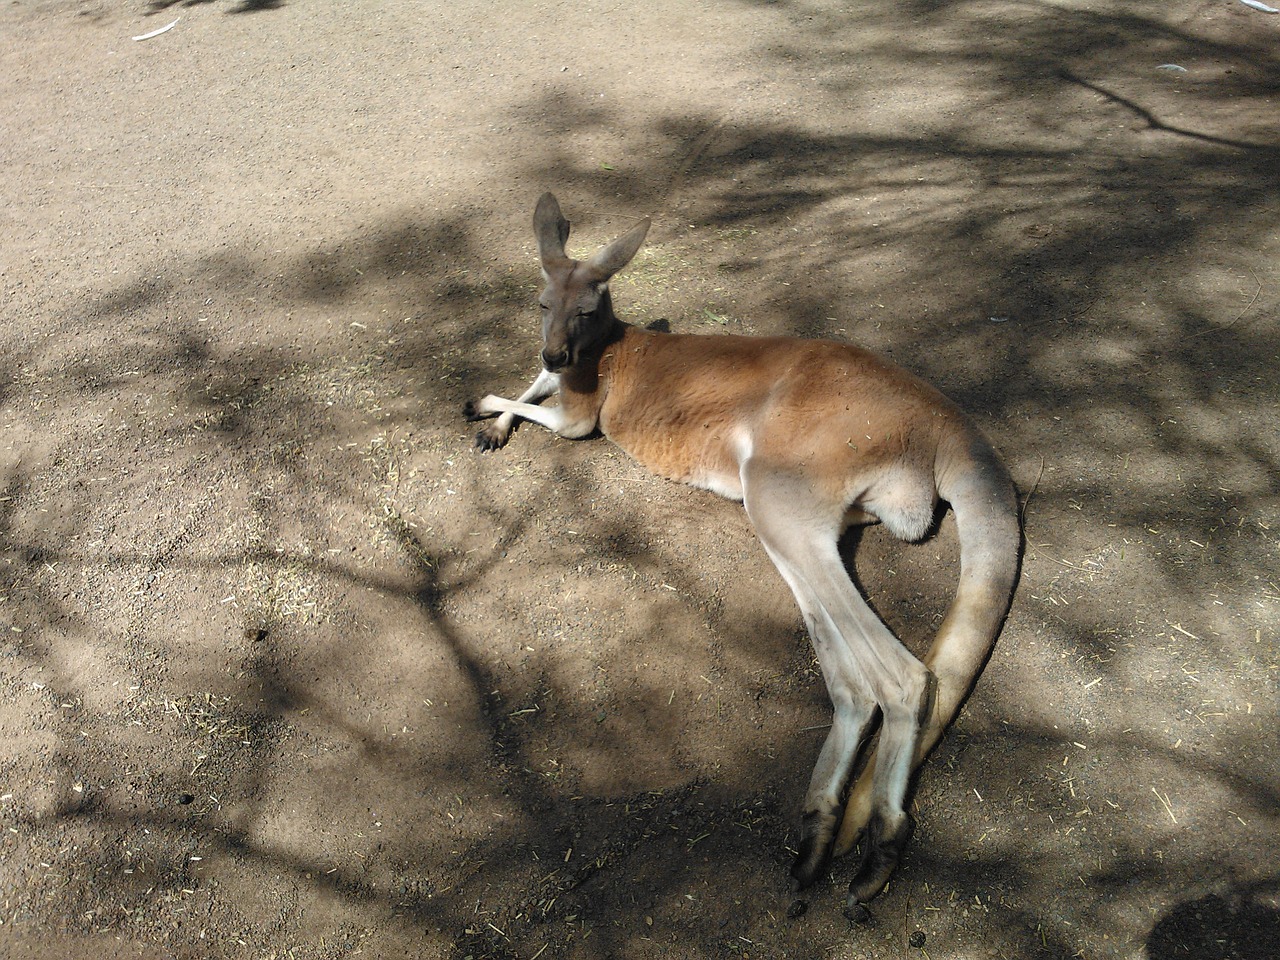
{"x":290,"y":671}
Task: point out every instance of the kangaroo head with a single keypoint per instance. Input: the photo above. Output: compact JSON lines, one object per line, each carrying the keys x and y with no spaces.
{"x":577,"y":313}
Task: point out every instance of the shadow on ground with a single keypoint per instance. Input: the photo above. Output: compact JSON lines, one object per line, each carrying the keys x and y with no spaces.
{"x":294,"y":651}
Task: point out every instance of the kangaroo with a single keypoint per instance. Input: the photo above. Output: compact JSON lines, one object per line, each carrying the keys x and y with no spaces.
{"x":812,"y":436}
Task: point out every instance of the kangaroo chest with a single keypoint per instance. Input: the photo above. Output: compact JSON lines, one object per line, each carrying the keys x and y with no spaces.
{"x":688,"y":429}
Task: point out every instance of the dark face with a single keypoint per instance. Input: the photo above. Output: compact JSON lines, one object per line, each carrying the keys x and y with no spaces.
{"x":573,"y":324}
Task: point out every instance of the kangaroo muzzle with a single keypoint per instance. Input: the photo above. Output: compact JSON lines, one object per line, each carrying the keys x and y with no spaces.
{"x":555,"y":360}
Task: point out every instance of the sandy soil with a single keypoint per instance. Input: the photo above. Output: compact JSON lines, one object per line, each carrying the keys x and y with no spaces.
{"x":289,"y":670}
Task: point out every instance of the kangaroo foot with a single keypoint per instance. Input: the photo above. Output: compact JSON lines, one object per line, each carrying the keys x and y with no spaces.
{"x":882,"y":848}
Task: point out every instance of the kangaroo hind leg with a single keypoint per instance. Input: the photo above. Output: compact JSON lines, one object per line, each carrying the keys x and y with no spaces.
{"x":864,"y":665}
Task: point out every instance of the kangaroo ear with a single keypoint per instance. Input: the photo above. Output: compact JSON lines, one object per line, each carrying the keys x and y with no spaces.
{"x":550,"y":228}
{"x":608,"y":261}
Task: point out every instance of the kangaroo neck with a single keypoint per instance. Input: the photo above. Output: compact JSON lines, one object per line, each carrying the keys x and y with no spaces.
{"x":585,"y":374}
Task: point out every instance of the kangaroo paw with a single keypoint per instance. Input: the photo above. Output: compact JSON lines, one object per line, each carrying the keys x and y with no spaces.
{"x":491,"y":438}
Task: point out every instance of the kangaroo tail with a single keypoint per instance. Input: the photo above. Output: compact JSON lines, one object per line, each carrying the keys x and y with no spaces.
{"x":985,"y":503}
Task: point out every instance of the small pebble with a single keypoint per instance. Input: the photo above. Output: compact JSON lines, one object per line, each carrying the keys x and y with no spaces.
{"x":916,"y":939}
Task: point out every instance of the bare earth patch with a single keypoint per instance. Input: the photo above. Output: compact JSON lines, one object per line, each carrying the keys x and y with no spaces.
{"x":288,"y":670}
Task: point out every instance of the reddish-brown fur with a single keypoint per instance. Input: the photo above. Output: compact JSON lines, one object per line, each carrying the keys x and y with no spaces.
{"x":679,"y":405}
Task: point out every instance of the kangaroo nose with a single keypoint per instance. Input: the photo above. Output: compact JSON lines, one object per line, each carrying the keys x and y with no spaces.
{"x":555,"y":360}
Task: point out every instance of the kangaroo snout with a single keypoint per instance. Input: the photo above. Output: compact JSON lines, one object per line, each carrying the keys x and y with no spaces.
{"x":555,"y":360}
